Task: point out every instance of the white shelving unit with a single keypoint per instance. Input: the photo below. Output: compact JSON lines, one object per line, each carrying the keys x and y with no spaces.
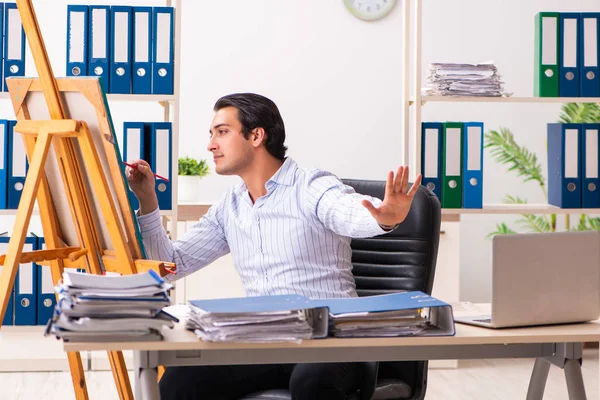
{"x":23,"y":348}
{"x":416,"y":101}
{"x":511,"y":99}
{"x":447,"y":281}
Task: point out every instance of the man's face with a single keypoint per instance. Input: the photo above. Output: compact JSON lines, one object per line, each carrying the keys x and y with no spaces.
{"x":232,"y":153}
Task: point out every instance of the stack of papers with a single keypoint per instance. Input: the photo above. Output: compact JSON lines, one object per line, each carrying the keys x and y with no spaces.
{"x":381,"y":324}
{"x":295,"y":317}
{"x":397,"y":314}
{"x":111,"y":308}
{"x":257,"y":319}
{"x":447,"y":79}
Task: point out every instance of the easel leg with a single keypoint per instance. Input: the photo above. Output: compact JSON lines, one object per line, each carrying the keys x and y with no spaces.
{"x":119,"y":369}
{"x":24,"y":211}
{"x":77,"y":376}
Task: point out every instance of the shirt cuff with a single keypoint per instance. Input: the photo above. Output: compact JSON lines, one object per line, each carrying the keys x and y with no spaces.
{"x":149,"y":223}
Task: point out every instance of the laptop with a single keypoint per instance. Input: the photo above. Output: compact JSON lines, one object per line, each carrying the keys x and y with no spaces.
{"x":543,"y":279}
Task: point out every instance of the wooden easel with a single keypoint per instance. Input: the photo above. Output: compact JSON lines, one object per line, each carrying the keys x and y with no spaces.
{"x":77,"y":159}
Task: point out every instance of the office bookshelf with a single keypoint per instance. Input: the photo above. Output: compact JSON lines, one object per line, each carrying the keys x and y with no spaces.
{"x":413,"y":103}
{"x":24,"y":347}
{"x":447,"y":285}
{"x":170,"y":104}
{"x":511,"y":99}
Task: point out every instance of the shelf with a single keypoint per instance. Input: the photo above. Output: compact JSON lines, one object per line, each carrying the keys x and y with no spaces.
{"x":23,"y":329}
{"x":24,"y":348}
{"x":141,"y":97}
{"x":125,"y":97}
{"x":36,"y":211}
{"x":513,"y":99}
{"x":519,"y":209}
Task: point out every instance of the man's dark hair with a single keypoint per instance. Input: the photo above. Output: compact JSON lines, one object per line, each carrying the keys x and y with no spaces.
{"x":256,"y":111}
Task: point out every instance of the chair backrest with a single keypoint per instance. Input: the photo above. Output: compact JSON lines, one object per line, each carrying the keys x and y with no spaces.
{"x":405,"y":258}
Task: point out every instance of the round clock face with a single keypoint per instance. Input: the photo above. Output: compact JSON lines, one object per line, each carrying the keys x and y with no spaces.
{"x":369,"y":9}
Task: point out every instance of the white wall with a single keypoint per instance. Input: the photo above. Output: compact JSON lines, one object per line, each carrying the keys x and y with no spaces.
{"x":337,"y":81}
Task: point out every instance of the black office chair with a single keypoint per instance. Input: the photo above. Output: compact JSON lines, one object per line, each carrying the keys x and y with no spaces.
{"x":402,"y":260}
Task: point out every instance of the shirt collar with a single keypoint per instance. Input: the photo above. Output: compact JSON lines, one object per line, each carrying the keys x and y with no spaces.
{"x":285,"y":175}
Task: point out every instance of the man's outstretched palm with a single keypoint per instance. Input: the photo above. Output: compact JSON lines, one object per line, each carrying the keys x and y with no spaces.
{"x":397,"y":200}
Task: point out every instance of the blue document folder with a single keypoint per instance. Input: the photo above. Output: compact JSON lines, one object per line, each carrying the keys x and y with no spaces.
{"x":317,"y":316}
{"x":253,"y":304}
{"x":437,"y":314}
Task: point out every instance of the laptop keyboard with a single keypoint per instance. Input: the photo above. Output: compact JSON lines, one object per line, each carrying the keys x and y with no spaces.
{"x":488,"y":320}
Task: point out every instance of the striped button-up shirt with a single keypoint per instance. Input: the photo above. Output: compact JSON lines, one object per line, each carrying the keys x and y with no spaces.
{"x":293,"y":240}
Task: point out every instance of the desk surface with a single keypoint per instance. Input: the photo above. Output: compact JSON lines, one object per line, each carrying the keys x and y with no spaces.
{"x":181,"y":339}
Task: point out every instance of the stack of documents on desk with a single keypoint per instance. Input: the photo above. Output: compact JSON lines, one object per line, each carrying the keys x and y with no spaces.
{"x":257,"y":319}
{"x":398,"y":314}
{"x":111,"y":308}
{"x":446,"y":79}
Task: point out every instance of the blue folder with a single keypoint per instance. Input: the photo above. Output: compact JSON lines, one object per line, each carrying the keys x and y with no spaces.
{"x":316,"y":314}
{"x":14,"y":43}
{"x":159,"y":147}
{"x":163,"y":33}
{"x":99,"y":45}
{"x":142,"y":50}
{"x":564,"y":166}
{"x":590,"y":166}
{"x":254,"y":304}
{"x":77,"y":40}
{"x":26,"y":288}
{"x":431,"y":156}
{"x":569,"y":48}
{"x":120,"y":71}
{"x":9,"y":315}
{"x":4,"y":164}
{"x":589,"y":55}
{"x":472,"y":164}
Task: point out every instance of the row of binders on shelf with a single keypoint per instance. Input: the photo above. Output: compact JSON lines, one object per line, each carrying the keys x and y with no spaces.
{"x":32,"y":299}
{"x":567,"y":54}
{"x":98,"y":308}
{"x":130,"y":48}
{"x":12,"y":43}
{"x":153,"y":143}
{"x":573,"y":167}
{"x":295,"y":317}
{"x":452,"y":162}
{"x":13,"y":166}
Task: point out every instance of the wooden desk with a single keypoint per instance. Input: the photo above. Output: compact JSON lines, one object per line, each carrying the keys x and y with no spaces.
{"x":558,"y":345}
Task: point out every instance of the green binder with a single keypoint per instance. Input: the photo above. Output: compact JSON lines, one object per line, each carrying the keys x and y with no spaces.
{"x":452,"y":179}
{"x":546,"y":54}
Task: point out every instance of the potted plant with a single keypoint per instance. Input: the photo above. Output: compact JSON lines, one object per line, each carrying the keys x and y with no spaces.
{"x":190,"y":173}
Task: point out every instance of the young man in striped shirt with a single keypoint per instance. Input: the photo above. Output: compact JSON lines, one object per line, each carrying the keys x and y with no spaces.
{"x":288,"y":230}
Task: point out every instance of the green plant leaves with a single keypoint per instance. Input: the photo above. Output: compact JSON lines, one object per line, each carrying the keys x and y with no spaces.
{"x":189,"y":166}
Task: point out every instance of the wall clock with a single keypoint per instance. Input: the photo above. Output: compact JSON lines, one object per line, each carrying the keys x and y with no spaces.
{"x":370,"y":10}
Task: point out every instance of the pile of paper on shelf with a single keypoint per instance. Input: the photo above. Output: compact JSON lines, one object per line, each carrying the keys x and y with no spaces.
{"x":448,"y":79}
{"x":111,"y":308}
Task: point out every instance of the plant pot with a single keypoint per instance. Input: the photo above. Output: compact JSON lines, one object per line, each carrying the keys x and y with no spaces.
{"x":188,"y":189}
